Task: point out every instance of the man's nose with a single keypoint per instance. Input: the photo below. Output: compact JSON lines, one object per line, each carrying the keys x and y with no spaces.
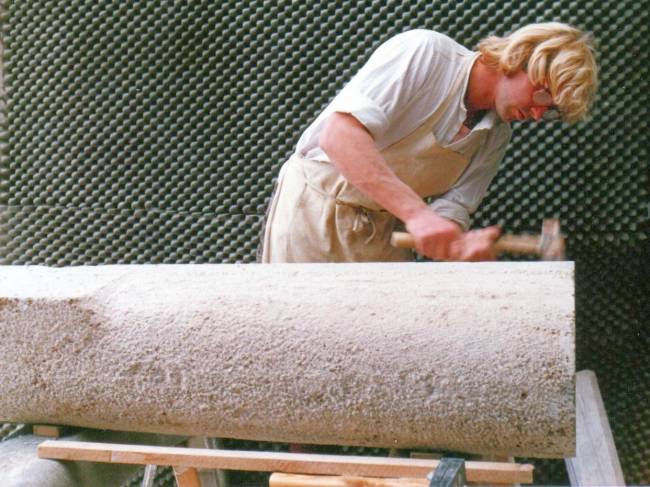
{"x":538,"y":112}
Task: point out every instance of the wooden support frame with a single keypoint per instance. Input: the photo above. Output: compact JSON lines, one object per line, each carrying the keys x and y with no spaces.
{"x":596,"y":462}
{"x":296,"y":480}
{"x":49,"y":430}
{"x":187,"y":459}
{"x":187,"y":477}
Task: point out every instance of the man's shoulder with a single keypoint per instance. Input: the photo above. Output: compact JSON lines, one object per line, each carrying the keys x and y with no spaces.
{"x":434,"y":39}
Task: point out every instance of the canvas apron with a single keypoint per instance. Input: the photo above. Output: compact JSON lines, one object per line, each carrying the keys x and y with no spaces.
{"x":316,"y":215}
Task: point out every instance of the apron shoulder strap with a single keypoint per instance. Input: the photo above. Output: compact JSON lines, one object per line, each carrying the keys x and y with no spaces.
{"x":434,"y":118}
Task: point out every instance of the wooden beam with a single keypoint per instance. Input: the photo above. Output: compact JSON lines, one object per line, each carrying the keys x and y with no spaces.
{"x":500,"y":473}
{"x":48,"y":430}
{"x":294,"y":480}
{"x":596,"y":462}
{"x":187,"y":477}
{"x":208,"y":478}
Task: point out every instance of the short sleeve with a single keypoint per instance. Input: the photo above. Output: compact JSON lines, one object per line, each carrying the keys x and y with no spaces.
{"x":390,"y":80}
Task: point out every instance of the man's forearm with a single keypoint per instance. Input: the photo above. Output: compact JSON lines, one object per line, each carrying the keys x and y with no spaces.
{"x":352,"y":150}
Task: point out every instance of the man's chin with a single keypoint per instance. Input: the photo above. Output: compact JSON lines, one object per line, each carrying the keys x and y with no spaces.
{"x":504,"y":116}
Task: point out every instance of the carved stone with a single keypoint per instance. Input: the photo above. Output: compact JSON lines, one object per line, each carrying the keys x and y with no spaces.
{"x":466,"y":357}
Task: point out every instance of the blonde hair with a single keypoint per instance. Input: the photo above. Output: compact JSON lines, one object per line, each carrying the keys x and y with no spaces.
{"x":556,"y":56}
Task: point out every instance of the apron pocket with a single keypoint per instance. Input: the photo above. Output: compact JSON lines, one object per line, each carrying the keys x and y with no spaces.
{"x":365,"y":235}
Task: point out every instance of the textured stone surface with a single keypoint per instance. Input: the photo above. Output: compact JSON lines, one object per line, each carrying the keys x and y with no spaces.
{"x":471,"y":357}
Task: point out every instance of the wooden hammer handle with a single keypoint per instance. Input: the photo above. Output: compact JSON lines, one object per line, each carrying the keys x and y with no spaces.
{"x":516,"y":244}
{"x":402,"y":240}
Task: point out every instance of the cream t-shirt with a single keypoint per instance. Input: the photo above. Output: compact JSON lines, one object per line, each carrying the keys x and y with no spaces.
{"x":405,"y":80}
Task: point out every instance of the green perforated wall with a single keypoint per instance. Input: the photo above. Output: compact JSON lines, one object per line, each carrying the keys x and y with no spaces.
{"x":151,"y":132}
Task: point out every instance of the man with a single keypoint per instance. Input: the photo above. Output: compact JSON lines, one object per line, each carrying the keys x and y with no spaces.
{"x":424,"y":117}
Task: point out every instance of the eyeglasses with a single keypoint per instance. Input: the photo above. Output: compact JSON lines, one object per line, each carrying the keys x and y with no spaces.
{"x":544,"y":99}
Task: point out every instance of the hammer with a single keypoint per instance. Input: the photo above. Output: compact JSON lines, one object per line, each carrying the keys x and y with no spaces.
{"x":549,"y":245}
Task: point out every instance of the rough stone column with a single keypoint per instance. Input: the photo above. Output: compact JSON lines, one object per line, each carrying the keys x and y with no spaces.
{"x":468,"y":357}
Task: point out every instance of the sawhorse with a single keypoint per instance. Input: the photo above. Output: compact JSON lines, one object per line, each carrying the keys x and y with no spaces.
{"x":187,"y":461}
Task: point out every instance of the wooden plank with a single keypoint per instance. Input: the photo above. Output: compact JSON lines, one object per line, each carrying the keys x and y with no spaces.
{"x":596,"y":461}
{"x":502,"y":473}
{"x":48,"y":430}
{"x":499,"y":458}
{"x":187,"y":477}
{"x":425,"y":455}
{"x":94,"y":454}
{"x":208,"y":478}
{"x":294,"y":480}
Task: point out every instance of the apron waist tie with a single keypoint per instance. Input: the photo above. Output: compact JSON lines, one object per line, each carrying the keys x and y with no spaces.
{"x":363,"y":218}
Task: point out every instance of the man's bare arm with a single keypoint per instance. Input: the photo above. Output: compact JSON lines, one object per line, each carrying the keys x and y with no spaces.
{"x":352,"y":150}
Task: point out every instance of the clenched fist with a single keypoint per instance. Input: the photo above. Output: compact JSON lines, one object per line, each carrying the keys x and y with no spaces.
{"x":441,"y":239}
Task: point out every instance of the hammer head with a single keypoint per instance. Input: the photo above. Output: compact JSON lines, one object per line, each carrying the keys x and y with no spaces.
{"x":551,"y":241}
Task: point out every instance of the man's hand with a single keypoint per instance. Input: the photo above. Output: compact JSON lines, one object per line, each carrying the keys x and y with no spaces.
{"x":479,"y":244}
{"x":441,"y":239}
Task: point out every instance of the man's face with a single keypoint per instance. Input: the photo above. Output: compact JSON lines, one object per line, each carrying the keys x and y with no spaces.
{"x":514,"y":98}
